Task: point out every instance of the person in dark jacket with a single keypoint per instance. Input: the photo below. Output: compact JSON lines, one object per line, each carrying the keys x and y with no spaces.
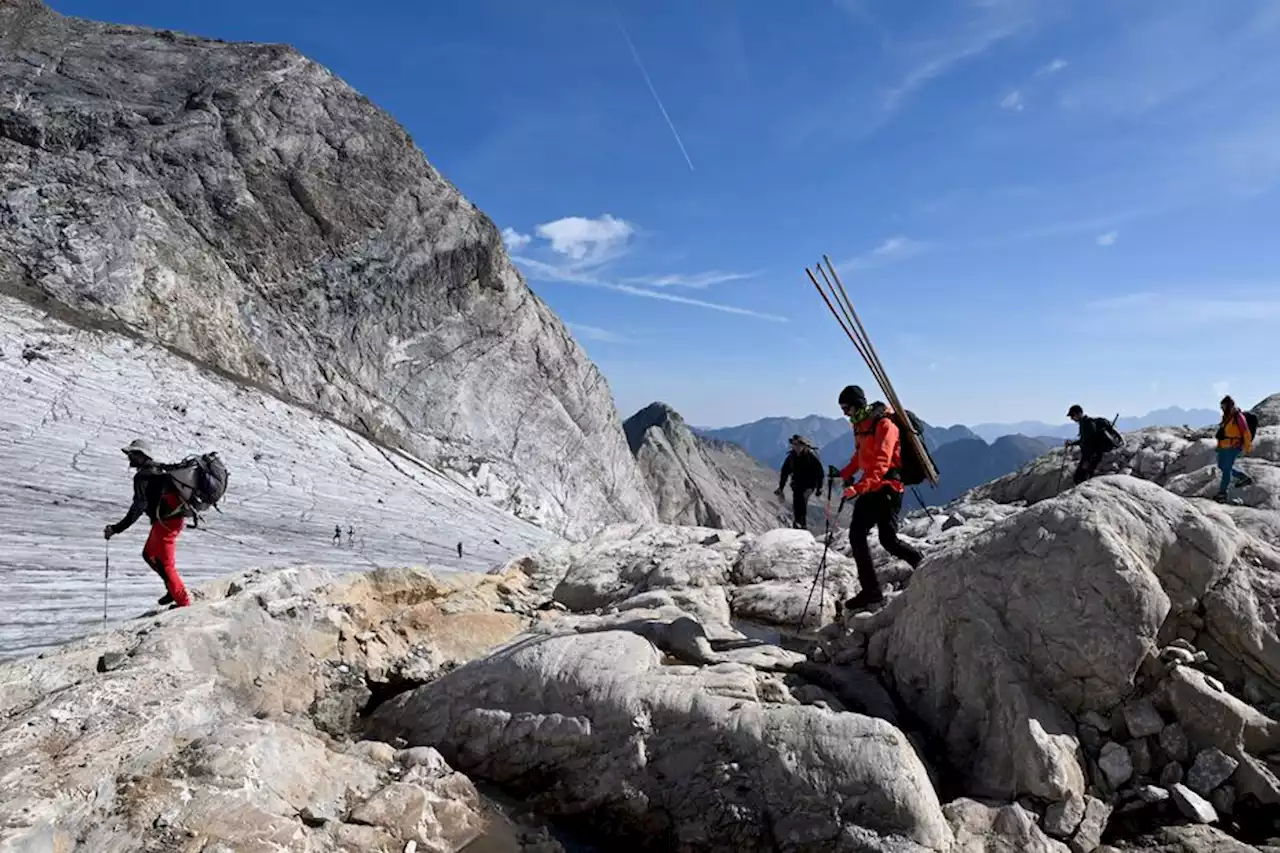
{"x":1092,"y":442}
{"x":154,"y":495}
{"x":804,"y":468}
{"x":877,"y":496}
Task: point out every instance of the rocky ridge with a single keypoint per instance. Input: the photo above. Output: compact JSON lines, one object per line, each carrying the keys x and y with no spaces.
{"x":701,"y":481}
{"x":226,"y":726}
{"x":1094,"y":672}
{"x":246,"y":208}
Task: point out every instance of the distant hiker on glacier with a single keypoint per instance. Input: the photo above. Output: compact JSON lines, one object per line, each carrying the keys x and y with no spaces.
{"x":804,"y":468}
{"x":1097,"y":438}
{"x":337,"y":534}
{"x":155,"y":493}
{"x":877,"y":495}
{"x":1235,"y":436}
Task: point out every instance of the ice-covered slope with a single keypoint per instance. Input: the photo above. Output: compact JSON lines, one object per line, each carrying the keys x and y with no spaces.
{"x":240,"y":203}
{"x":69,"y":399}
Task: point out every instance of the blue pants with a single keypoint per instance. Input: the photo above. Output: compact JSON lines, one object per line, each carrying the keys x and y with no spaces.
{"x":1226,"y":464}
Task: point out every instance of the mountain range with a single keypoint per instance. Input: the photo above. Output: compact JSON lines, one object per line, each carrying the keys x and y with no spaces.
{"x":1172,"y":416}
{"x":965,"y":456}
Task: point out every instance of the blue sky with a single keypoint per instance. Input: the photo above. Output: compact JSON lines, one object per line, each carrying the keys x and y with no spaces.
{"x":1032,"y":202}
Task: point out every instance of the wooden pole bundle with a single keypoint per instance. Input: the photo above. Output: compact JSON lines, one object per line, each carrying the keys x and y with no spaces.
{"x":851,"y":323}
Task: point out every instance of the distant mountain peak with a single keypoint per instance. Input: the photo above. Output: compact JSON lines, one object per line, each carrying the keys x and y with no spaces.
{"x":656,"y":414}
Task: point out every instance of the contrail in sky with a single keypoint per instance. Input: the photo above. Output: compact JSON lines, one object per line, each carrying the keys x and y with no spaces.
{"x":639,"y":64}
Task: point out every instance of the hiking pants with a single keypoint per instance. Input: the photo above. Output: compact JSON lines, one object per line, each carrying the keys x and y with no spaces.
{"x":1226,"y":464}
{"x":1088,"y":464}
{"x":877,"y":509}
{"x":800,"y":507}
{"x":160,"y":554}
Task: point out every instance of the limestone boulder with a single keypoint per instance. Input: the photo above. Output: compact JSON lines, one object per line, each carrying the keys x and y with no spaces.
{"x":626,"y":560}
{"x":1002,"y":639}
{"x":215,"y":725}
{"x":694,"y":756}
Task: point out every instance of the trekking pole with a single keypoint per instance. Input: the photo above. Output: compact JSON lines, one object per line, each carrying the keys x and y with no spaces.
{"x":106,"y":575}
{"x":822,"y":564}
{"x":923,"y":505}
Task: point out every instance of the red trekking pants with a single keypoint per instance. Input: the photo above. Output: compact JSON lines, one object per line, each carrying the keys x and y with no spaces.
{"x":160,"y":554}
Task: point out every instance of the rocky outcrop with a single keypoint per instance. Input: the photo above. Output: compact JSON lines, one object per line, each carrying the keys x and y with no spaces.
{"x":1111,"y":648}
{"x":714,"y":575}
{"x":244,"y":207}
{"x":1081,"y":674}
{"x":687,"y":758}
{"x":1180,"y":459}
{"x":222,"y":726}
{"x":702,"y":482}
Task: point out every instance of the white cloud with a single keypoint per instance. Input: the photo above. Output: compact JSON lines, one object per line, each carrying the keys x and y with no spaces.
{"x":697,"y":281}
{"x":998,"y":20}
{"x":542,"y":271}
{"x":1013,"y":101}
{"x":1221,"y":388}
{"x":1053,"y":67}
{"x":1108,"y":239}
{"x":595,"y":333}
{"x":591,"y":241}
{"x":893,"y":249}
{"x":515,"y":240}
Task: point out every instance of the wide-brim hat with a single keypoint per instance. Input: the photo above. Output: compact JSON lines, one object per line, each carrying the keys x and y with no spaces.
{"x":138,"y":445}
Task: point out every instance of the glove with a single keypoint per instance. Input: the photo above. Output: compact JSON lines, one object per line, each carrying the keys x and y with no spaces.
{"x":109,"y":531}
{"x":849,"y":493}
{"x":778,"y":493}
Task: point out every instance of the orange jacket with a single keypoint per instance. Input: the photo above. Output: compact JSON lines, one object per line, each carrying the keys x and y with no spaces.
{"x":877,"y":450}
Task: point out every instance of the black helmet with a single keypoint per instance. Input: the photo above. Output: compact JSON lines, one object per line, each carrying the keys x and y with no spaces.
{"x":852,"y":397}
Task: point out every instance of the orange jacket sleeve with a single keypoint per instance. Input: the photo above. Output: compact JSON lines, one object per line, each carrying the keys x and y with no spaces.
{"x":886,"y":439}
{"x":847,"y":472}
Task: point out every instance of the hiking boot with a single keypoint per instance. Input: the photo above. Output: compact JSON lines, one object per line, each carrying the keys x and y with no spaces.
{"x":165,"y":599}
{"x":1243,"y":480}
{"x":1220,"y":497}
{"x":865,"y":599}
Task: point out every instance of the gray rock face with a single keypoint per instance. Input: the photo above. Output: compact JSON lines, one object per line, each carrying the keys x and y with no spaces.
{"x":1181,"y":459}
{"x":698,"y":757}
{"x":1043,"y":650}
{"x":981,"y":828}
{"x":1193,"y":806}
{"x":248,"y":209}
{"x":1211,"y":768}
{"x":700,"y":481}
{"x":203,"y":734}
{"x":767,"y":579}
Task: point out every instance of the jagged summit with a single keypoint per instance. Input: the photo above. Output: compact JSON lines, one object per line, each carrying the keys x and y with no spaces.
{"x":701,"y":481}
{"x":653,"y":415}
{"x":248,"y":209}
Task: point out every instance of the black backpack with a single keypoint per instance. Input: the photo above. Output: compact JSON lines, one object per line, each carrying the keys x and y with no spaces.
{"x":912,"y":469}
{"x":200,"y":481}
{"x":1108,"y":437}
{"x":1252,"y":420}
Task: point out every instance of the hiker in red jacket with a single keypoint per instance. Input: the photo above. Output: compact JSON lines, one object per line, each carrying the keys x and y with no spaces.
{"x":878,"y":495}
{"x":154,"y":494}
